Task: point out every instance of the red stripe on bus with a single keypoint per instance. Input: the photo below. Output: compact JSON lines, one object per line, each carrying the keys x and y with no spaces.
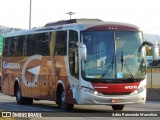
{"x":115,"y":88}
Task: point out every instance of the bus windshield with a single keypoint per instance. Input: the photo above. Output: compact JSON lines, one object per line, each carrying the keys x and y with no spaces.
{"x":113,"y":55}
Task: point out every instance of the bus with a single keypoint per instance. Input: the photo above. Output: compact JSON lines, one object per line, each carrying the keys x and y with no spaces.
{"x":77,"y":61}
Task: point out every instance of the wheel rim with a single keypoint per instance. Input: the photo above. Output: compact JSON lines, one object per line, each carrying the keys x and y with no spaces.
{"x":63,"y":97}
{"x":18,"y":94}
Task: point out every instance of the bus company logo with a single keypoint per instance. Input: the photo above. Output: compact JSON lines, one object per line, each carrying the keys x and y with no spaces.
{"x":131,"y":87}
{"x":11,"y":65}
{"x":34,"y":71}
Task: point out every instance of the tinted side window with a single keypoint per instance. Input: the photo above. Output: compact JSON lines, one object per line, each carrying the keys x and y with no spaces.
{"x":6,"y":47}
{"x":73,"y":54}
{"x":30,"y":45}
{"x":38,"y":44}
{"x":61,"y":44}
{"x":18,"y":46}
{"x":13,"y":47}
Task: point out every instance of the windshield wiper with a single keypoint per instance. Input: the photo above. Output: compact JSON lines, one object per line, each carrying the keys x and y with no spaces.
{"x":108,"y":68}
{"x":123,"y":62}
{"x":128,"y":69}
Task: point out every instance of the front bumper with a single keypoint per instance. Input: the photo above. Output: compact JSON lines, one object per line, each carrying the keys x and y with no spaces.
{"x":87,"y":98}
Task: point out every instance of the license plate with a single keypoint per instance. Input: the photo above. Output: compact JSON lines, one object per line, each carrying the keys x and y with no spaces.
{"x":116,"y":100}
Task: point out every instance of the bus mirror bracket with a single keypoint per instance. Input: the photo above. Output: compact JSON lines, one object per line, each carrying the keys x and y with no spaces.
{"x":83,"y":50}
{"x":155,"y":52}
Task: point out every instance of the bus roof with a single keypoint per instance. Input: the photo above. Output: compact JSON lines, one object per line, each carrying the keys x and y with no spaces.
{"x":71,"y":21}
{"x":79,"y":25}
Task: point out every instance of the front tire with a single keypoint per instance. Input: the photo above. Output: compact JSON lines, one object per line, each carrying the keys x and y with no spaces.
{"x":62,"y":101}
{"x":117,"y":107}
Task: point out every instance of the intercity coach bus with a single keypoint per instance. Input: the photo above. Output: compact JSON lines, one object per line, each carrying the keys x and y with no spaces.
{"x":77,"y":61}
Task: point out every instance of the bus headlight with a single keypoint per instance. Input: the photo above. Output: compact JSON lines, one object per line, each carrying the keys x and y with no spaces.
{"x":139,"y":90}
{"x":89,"y":90}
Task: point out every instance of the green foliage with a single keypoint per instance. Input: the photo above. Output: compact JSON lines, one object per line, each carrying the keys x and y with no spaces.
{"x":148,"y":51}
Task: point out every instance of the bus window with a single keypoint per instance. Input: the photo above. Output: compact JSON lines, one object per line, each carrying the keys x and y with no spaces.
{"x":6,"y":51}
{"x":13,"y":47}
{"x":37,"y":44}
{"x":73,"y":54}
{"x":30,"y":44}
{"x":24,"y":45}
{"x":61,"y":38}
{"x":18,"y":46}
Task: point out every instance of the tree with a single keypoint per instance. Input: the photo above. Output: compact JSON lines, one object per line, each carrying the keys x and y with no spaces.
{"x":148,"y":51}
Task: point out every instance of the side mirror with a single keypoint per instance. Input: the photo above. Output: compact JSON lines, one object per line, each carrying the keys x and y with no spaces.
{"x":83,"y":51}
{"x":155,"y":52}
{"x":155,"y":48}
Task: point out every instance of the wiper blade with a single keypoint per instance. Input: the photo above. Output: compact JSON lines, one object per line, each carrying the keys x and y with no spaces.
{"x":123,"y":62}
{"x":128,"y":69}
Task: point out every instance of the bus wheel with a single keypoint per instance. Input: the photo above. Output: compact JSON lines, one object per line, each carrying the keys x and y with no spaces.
{"x":61,"y":101}
{"x":117,"y":107}
{"x":19,"y":98}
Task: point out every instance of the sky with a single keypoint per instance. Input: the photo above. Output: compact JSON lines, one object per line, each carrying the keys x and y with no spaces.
{"x":143,"y":13}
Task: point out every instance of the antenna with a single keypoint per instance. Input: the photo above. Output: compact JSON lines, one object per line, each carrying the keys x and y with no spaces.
{"x":70,"y":14}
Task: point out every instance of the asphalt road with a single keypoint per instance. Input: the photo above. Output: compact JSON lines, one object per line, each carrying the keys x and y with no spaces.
{"x":87,"y":112}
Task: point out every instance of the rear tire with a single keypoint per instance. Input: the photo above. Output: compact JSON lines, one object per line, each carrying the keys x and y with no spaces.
{"x":117,"y":107}
{"x":19,"y":98}
{"x":61,"y":101}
